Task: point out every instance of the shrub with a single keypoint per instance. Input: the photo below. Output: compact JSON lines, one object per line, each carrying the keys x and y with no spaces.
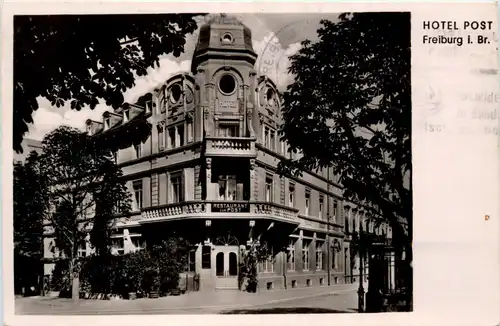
{"x":153,"y":269}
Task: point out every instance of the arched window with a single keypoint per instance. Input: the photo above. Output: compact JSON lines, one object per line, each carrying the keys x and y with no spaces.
{"x":219,"y":264}
{"x":233,"y":264}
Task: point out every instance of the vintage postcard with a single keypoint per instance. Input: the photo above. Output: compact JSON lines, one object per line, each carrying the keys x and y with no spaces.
{"x":247,"y":163}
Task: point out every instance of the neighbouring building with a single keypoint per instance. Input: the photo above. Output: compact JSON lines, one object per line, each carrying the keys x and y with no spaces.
{"x":207,"y":171}
{"x":28,"y":146}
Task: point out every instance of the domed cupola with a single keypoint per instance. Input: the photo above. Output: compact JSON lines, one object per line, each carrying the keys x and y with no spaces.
{"x":223,"y":37}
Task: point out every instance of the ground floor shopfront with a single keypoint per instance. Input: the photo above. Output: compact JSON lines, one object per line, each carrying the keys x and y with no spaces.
{"x":298,"y":257}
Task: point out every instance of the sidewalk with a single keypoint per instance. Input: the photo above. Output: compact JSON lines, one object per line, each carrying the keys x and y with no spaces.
{"x":192,"y":302}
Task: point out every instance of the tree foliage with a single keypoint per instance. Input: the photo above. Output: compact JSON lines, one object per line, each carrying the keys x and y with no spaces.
{"x":254,"y":254}
{"x":84,"y":58}
{"x":85,"y":190}
{"x":349,"y":108}
{"x":30,"y":205}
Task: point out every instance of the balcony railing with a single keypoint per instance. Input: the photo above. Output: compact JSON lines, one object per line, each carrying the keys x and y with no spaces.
{"x":171,"y":210}
{"x":251,"y":209}
{"x":230,"y":146}
{"x":276,"y":210}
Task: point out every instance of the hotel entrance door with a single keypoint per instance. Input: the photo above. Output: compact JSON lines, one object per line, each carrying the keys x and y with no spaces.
{"x":225,"y":266}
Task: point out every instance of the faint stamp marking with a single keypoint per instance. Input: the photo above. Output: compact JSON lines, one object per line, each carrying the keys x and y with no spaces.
{"x":273,"y":56}
{"x":429,"y":98}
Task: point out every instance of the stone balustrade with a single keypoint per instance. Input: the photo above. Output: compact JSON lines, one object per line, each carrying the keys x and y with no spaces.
{"x":276,"y":210}
{"x":211,"y":208}
{"x":230,"y":146}
{"x":171,"y":210}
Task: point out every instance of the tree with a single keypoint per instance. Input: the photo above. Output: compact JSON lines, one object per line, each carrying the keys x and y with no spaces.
{"x":85,"y":190}
{"x":251,"y":257}
{"x":84,"y":58}
{"x":30,"y":205}
{"x":349,"y":108}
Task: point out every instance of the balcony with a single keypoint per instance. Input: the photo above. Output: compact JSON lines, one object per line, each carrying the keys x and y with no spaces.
{"x":230,"y":146}
{"x":173,"y":210}
{"x":220,"y":209}
{"x":275,"y":210}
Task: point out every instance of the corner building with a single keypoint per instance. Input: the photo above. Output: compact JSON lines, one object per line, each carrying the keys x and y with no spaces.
{"x":207,"y":171}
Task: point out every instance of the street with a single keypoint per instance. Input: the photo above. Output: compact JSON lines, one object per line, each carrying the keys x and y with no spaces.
{"x":333,"y":299}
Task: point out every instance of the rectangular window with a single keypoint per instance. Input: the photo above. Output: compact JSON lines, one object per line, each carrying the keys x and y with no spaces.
{"x":205,"y":257}
{"x":126,"y":115}
{"x":228,"y":189}
{"x":137,"y":186}
{"x":191,"y":261}
{"x":106,"y":124}
{"x":269,"y":188}
{"x":269,"y":263}
{"x":272,"y":140}
{"x":228,"y":130}
{"x":161,"y":139}
{"x":171,"y":138}
{"x":138,"y":243}
{"x":116,"y":208}
{"x":347,"y":220}
{"x":305,"y":254}
{"x":266,"y":137}
{"x":291,"y":195}
{"x":291,"y":255}
{"x":353,"y":220}
{"x":319,"y":255}
{"x":320,"y":212}
{"x":138,"y":150}
{"x":177,"y":183}
{"x":335,"y":212}
{"x":180,"y":135}
{"x":117,"y":246}
{"x":82,"y":249}
{"x":115,"y":156}
{"x":307,"y":202}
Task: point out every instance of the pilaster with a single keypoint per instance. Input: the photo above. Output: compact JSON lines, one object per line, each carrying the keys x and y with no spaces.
{"x":208,"y":182}
{"x":250,"y":103}
{"x":253,"y":181}
{"x":209,"y":110}
{"x":201,"y":104}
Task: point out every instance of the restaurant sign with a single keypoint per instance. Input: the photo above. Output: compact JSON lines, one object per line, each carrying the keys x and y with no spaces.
{"x":230,"y":208}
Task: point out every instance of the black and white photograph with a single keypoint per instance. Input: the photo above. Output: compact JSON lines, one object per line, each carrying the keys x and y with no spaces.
{"x":212,"y":163}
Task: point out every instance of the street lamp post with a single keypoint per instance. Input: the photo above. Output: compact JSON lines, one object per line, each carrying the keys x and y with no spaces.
{"x":361,"y":290}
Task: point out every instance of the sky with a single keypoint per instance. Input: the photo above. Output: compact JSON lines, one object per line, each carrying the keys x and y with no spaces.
{"x":284,"y":31}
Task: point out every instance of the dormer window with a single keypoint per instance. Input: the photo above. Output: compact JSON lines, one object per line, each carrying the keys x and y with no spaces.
{"x":227,"y":84}
{"x":106,"y":123}
{"x":227,"y":38}
{"x":175,"y":93}
{"x":89,"y":129}
{"x":126,"y":115}
{"x":270,"y":96}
